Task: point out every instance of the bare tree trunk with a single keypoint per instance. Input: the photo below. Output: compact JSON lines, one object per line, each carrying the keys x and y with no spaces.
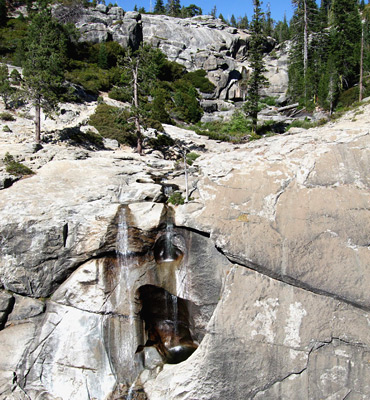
{"x":38,"y":122}
{"x":305,"y":48}
{"x":186,"y":179}
{"x":361,"y":64}
{"x":135,"y":72}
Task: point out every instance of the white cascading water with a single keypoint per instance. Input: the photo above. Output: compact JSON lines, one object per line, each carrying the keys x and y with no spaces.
{"x":120,"y":323}
{"x":168,"y":242}
{"x":175,"y":313}
{"x":126,"y":283}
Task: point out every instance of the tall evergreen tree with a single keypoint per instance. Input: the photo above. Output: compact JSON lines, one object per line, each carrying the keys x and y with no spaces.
{"x":304,"y":24}
{"x":3,"y":12}
{"x":159,"y":7}
{"x":346,"y":40}
{"x":173,"y":8}
{"x":282,"y":31}
{"x":6,"y":89}
{"x":257,"y":79}
{"x":243,"y":23}
{"x":138,"y":76}
{"x":43,"y":68}
{"x":269,"y":23}
{"x":233,"y":20}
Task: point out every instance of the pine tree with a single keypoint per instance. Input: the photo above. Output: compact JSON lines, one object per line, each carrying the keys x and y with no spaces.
{"x":243,"y":23}
{"x":6,"y":90}
{"x":304,"y":24}
{"x":138,"y":76}
{"x":233,"y":21}
{"x":257,"y":79}
{"x":282,"y":31}
{"x":173,"y":8}
{"x":43,"y":70}
{"x":159,"y":7}
{"x":222,"y":18}
{"x":3,"y":12}
{"x":346,"y":40}
{"x":269,"y":23}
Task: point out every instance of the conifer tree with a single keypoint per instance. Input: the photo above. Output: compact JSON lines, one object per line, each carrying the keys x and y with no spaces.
{"x":346,"y":40}
{"x":3,"y":12}
{"x":138,"y":76}
{"x":173,"y":8}
{"x":243,"y":23}
{"x":257,"y":79}
{"x":269,"y":23}
{"x":282,"y":31}
{"x":6,"y":89}
{"x":43,"y":68}
{"x":159,"y":7}
{"x":304,"y":24}
{"x":222,"y":18}
{"x":233,"y":20}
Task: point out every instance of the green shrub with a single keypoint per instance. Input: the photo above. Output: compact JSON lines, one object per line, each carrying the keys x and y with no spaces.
{"x":186,"y":104}
{"x":5,"y":116}
{"x":119,"y":94}
{"x":11,"y":37}
{"x":198,"y":79}
{"x":16,"y":168}
{"x":92,"y":78}
{"x":6,"y":128}
{"x":161,"y":142}
{"x":191,"y":157}
{"x":176,"y":199}
{"x":87,"y":139}
{"x":112,"y":122}
{"x":270,"y":101}
{"x":15,"y":76}
{"x":306,"y":124}
{"x":154,"y":124}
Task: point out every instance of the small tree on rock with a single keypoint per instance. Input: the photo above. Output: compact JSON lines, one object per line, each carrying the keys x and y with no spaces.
{"x":6,"y":90}
{"x":138,"y":76}
{"x":257,"y":79}
{"x":43,"y":71}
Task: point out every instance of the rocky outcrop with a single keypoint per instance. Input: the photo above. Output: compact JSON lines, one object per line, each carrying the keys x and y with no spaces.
{"x":255,"y":289}
{"x":201,"y":42}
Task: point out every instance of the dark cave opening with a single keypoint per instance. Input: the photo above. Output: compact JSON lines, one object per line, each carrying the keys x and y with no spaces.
{"x":168,"y":323}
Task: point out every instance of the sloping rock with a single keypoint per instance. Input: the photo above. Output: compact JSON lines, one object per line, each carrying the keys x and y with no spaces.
{"x":267,"y":336}
{"x":271,"y":261}
{"x":306,"y":197}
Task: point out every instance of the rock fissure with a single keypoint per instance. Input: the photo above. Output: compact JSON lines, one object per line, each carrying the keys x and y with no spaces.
{"x":271,"y":384}
{"x":287,"y":279}
{"x":102,"y":313}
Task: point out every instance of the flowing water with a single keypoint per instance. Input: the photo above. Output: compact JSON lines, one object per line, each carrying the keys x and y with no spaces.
{"x":175,"y":314}
{"x":120,"y":320}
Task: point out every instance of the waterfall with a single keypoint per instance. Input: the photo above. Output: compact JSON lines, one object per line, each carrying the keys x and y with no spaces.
{"x":168,"y":250}
{"x":175,"y":314}
{"x":125,"y":263}
{"x":120,"y":322}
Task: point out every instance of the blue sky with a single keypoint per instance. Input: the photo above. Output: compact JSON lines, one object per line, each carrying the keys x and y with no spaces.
{"x":226,"y":8}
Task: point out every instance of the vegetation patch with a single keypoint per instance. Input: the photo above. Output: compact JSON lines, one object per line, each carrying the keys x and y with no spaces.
{"x":16,"y":168}
{"x":113,"y":123}
{"x":176,"y":199}
{"x":191,"y":157}
{"x":198,"y":79}
{"x":6,"y":116}
{"x":88,"y":139}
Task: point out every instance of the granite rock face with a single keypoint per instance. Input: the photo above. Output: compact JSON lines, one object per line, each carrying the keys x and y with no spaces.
{"x":262,"y":278}
{"x":201,"y":42}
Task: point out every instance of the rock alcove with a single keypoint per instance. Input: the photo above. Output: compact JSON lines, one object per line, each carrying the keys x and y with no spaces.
{"x":165,"y":282}
{"x":144,"y":301}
